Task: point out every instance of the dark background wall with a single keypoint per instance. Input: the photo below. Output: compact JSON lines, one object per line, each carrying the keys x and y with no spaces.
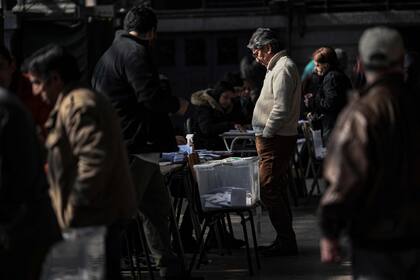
{"x":199,"y":41}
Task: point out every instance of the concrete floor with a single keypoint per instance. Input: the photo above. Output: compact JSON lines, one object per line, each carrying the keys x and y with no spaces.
{"x":304,"y":266}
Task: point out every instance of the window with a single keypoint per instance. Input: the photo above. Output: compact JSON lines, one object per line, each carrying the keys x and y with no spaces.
{"x":195,"y":52}
{"x":227,"y":51}
{"x":165,"y":52}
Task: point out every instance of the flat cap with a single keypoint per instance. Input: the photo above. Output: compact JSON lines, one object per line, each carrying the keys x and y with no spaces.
{"x":381,"y":47}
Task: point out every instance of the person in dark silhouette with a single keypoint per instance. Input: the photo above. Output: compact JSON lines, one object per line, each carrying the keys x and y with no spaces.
{"x":28,"y":225}
{"x":128,"y":76}
{"x":373,"y":168}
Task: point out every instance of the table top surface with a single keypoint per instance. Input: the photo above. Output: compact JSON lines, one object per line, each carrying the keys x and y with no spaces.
{"x":238,"y":133}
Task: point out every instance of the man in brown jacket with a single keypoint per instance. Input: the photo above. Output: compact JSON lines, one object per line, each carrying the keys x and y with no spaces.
{"x":90,"y":182}
{"x":373,"y":167}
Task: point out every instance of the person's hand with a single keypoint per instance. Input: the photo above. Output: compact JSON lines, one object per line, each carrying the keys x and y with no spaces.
{"x":330,"y":250}
{"x":307,"y":99}
{"x":240,"y":127}
{"x":183,"y":106}
{"x":180,"y":140}
{"x":244,"y":92}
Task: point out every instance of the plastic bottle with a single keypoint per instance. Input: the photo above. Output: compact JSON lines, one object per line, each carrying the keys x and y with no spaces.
{"x":190,"y":142}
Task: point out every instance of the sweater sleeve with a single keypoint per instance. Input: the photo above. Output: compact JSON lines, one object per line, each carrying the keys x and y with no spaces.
{"x":283,"y":87}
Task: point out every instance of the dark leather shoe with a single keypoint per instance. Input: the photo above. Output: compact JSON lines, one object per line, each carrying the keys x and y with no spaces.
{"x":228,"y":242}
{"x":266,"y":247}
{"x":234,"y":243}
{"x":280,"y":249}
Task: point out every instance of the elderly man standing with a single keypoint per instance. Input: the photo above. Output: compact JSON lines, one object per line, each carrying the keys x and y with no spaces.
{"x":275,"y":121}
{"x":373,"y":168}
{"x":90,"y":181}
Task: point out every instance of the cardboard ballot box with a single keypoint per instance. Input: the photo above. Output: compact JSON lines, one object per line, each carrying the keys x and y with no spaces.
{"x":228,"y":183}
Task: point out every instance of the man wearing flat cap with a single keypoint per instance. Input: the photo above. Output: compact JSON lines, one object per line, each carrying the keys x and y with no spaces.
{"x":275,"y":121}
{"x":373,"y":168}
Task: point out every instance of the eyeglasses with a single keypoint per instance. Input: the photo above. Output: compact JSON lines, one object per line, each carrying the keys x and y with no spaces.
{"x":255,"y":51}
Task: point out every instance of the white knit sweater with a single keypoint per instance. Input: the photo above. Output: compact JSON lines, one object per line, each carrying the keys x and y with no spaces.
{"x":277,"y":109}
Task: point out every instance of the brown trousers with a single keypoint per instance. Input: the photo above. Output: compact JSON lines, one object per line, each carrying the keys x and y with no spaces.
{"x":275,"y":154}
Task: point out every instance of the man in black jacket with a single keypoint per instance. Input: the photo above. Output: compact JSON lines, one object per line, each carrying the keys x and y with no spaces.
{"x":127,"y":74}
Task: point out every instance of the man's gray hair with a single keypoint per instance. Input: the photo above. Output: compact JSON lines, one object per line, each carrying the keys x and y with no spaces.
{"x":262,"y":37}
{"x":381,"y":47}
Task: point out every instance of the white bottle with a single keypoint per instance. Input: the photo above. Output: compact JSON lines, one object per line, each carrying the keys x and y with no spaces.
{"x":190,"y":142}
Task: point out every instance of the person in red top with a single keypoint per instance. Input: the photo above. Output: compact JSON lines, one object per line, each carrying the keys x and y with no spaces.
{"x":18,"y":83}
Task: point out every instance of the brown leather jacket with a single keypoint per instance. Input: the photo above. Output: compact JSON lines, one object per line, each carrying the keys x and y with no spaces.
{"x":373,"y":167}
{"x":90,"y":181}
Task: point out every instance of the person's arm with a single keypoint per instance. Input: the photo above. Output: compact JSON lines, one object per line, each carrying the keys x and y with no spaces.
{"x":209,"y":126}
{"x":150,"y":90}
{"x":284,"y":86}
{"x":346,"y":170}
{"x":86,"y":138}
{"x":332,"y":99}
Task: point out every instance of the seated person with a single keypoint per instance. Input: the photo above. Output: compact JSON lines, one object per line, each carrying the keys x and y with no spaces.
{"x":246,"y":94}
{"x":253,"y":75}
{"x":214,"y":113}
